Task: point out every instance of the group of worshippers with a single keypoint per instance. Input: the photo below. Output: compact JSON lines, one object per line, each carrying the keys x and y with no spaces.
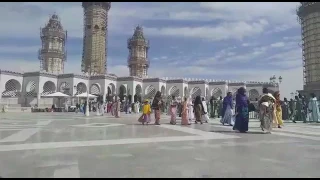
{"x":196,"y":109}
{"x":301,"y":109}
{"x":189,"y":109}
{"x":269,"y":109}
{"x":236,"y":113}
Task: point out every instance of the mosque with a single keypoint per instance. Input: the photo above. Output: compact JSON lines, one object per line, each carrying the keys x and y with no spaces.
{"x":27,"y":89}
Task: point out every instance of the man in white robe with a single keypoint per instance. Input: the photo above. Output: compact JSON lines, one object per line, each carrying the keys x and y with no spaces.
{"x":137,"y":107}
{"x":205,"y":117}
{"x":313,"y":107}
{"x":190,"y":109}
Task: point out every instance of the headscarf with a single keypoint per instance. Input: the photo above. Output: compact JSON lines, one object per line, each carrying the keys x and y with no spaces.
{"x":156,"y":101}
{"x":227,"y":101}
{"x":241,"y":98}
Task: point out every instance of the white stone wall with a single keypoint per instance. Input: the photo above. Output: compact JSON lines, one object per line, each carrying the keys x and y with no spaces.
{"x":30,"y":88}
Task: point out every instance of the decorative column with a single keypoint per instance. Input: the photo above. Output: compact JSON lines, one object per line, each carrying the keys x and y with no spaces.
{"x":104,"y":97}
{"x":38,"y":98}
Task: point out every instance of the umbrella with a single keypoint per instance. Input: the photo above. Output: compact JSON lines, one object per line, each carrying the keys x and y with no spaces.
{"x":57,"y":94}
{"x":85,"y":95}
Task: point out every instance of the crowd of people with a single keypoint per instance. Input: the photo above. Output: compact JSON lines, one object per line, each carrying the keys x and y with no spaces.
{"x":232,"y":109}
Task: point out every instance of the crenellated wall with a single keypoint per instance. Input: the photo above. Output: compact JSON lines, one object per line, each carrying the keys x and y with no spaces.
{"x":28,"y":89}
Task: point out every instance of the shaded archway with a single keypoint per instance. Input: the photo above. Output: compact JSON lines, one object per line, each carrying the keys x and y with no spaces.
{"x":150,"y":92}
{"x":196,"y":91}
{"x":234,"y":92}
{"x":65,"y":88}
{"x":31,"y":89}
{"x":48,"y":88}
{"x":95,"y":89}
{"x":122,"y":92}
{"x":253,"y":95}
{"x":173,"y":91}
{"x":216,"y":93}
{"x":81,"y":88}
{"x":12,"y":88}
{"x":138,"y":94}
{"x":111,"y":91}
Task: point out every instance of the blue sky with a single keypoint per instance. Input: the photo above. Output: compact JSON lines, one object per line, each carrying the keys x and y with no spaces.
{"x":212,"y":40}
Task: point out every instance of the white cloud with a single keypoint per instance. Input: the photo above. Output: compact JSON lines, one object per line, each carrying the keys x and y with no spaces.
{"x":249,"y":44}
{"x":19,"y":65}
{"x":277,"y":13}
{"x":291,"y":55}
{"x":278,"y":44}
{"x":223,"y":31}
{"x":294,"y":38}
{"x":18,"y":49}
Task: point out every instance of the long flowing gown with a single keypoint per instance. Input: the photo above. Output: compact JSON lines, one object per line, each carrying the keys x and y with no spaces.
{"x":184,"y":114}
{"x":219,"y":108}
{"x":102,"y":109}
{"x":285,"y":111}
{"x":227,"y":114}
{"x":242,"y":118}
{"x":205,"y":116}
{"x":313,"y":106}
{"x":117,"y":109}
{"x":266,"y":112}
{"x":156,"y":106}
{"x":198,"y":112}
{"x":278,"y":114}
{"x":298,"y":111}
{"x":173,"y":111}
{"x":190,"y":110}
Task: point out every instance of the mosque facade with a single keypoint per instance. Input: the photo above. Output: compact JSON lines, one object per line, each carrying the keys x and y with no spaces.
{"x":29,"y":88}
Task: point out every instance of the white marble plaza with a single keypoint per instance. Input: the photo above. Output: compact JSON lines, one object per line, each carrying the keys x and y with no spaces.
{"x":71,"y":145}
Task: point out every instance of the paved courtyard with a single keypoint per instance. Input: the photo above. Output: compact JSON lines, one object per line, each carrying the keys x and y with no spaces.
{"x":53,"y":145}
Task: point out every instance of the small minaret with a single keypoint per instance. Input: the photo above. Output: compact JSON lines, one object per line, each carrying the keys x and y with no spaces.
{"x":52,"y":55}
{"x":138,"y":54}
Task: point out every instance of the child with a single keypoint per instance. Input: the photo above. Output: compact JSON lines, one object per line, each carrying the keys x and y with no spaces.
{"x":146,"y":111}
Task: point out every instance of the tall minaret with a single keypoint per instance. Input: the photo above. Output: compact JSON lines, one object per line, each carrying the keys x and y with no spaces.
{"x":138,"y":47}
{"x":94,"y":55}
{"x":52,"y":55}
{"x":309,"y":18}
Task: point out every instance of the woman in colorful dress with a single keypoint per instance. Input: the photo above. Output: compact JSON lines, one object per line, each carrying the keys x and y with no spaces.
{"x":184,"y":113}
{"x":156,"y":106}
{"x":242,"y":112}
{"x":117,"y":107}
{"x":173,"y":110}
{"x":266,"y":110}
{"x":198,"y":109}
{"x":146,"y":111}
{"x":278,"y":110}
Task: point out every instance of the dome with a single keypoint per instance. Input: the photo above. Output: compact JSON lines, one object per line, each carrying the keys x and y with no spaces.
{"x":138,"y":33}
{"x":54,"y":23}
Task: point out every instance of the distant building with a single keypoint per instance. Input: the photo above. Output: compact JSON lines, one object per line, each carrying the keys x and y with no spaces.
{"x":94,"y":56}
{"x":52,"y":54}
{"x":309,"y":18}
{"x":138,"y":46}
